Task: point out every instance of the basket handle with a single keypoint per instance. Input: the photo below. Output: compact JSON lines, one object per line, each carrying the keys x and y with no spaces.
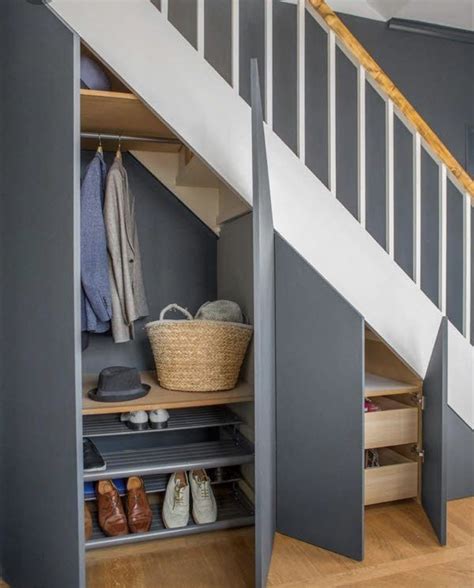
{"x":186,"y":313}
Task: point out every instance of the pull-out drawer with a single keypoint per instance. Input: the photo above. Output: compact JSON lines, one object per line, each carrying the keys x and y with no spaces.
{"x":396,"y":478}
{"x":395,"y":424}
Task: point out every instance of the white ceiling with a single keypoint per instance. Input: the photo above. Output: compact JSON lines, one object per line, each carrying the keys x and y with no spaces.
{"x":451,"y":13}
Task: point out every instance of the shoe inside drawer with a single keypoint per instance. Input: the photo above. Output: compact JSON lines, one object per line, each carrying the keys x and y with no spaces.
{"x":394,"y":479}
{"x":395,"y":423}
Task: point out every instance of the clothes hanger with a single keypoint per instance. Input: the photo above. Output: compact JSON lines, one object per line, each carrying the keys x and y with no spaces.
{"x":99,"y":148}
{"x":118,"y":154}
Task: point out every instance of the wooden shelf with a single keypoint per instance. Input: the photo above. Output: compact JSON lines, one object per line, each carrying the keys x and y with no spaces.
{"x":380,"y":386}
{"x":122,"y":113}
{"x":159,"y":397}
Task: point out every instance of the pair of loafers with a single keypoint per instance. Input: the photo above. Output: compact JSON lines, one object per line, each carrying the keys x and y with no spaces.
{"x":114,"y":520}
{"x":141,"y":420}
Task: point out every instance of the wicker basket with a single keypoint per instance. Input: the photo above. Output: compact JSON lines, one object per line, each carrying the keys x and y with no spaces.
{"x":197,"y":355}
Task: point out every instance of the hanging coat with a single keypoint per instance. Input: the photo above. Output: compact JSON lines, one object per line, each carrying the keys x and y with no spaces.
{"x":97,"y":300}
{"x":125,"y":269}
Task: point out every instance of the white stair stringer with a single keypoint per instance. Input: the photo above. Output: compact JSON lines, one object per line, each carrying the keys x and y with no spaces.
{"x":147,"y":52}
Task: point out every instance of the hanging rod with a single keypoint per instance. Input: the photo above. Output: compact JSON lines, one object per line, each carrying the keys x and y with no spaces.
{"x":124,"y":138}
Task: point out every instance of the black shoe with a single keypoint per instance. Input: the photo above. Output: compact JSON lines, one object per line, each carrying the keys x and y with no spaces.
{"x":93,"y":461}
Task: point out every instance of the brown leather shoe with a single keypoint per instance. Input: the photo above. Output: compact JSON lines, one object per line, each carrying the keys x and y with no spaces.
{"x":138,"y":509}
{"x":87,"y":522}
{"x":112,"y":519}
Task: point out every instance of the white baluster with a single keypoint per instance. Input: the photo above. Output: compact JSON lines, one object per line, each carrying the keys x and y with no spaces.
{"x":269,"y":62}
{"x":361,"y":154}
{"x":442,"y":236}
{"x":467,"y":243}
{"x":389,"y":158}
{"x":301,"y":77}
{"x":332,"y":110}
{"x":235,"y":46}
{"x":200,"y":27}
{"x":417,"y":208}
{"x":164,"y":8}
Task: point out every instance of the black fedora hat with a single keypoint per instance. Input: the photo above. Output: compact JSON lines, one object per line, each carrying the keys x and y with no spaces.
{"x":117,"y":384}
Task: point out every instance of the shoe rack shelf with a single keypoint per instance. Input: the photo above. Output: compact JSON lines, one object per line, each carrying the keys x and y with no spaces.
{"x":180,"y":419}
{"x":233,"y":510}
{"x":165,"y":460}
{"x":158,"y":482}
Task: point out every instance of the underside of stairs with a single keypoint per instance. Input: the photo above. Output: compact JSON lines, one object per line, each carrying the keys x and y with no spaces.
{"x":213,"y":121}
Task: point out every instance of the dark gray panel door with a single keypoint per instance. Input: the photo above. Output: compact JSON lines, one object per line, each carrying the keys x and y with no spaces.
{"x":320,"y":436}
{"x":42,"y":533}
{"x":264,"y":341}
{"x":434,"y":481}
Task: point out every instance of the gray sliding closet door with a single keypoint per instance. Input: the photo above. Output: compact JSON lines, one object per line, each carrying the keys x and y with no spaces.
{"x":435,"y":385}
{"x":319,"y":406}
{"x":41,"y":467}
{"x":264,"y":341}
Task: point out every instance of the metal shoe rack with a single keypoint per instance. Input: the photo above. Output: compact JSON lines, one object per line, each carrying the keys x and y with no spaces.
{"x":221,"y":457}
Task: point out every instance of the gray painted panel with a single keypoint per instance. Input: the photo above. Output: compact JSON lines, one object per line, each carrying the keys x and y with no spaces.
{"x":251,"y":44}
{"x":346,"y":132}
{"x":472,"y":277}
{"x":179,"y":265}
{"x":460,"y":456}
{"x":434,"y":473}
{"x":42,"y":491}
{"x":2,"y":331}
{"x":218,"y":36}
{"x":264,"y":342}
{"x":375,"y":160}
{"x":320,"y":382}
{"x":183,"y":15}
{"x":284,"y":72}
{"x":235,"y":274}
{"x":429,"y":226}
{"x":403,"y":196}
{"x":454,"y":256}
{"x":316,"y":98}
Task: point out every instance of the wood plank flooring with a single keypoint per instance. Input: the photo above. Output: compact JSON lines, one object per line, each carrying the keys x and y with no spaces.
{"x":401,"y":551}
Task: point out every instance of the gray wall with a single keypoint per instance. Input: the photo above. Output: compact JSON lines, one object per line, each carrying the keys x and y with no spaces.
{"x":433,"y":74}
{"x":41,"y":478}
{"x":179,"y":264}
{"x":218,"y":36}
{"x":460,"y":456}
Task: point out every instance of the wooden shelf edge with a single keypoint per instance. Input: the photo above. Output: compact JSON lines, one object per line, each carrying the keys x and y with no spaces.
{"x":159,"y":397}
{"x":109,"y":94}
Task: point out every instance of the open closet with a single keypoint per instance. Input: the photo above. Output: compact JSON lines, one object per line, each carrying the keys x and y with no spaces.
{"x":187,"y":262}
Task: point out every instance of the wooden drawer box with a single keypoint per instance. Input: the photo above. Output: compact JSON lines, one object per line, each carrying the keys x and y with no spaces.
{"x":395,"y":424}
{"x":395,"y":479}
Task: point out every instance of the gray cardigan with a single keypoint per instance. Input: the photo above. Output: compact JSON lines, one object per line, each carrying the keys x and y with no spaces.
{"x":125,"y":268}
{"x":96,"y":297}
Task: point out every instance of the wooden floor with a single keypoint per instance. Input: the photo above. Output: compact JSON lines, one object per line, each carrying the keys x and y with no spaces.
{"x":400,"y":551}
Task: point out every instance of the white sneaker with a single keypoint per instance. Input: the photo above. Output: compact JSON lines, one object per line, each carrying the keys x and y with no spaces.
{"x":138,"y":420}
{"x":158,"y":418}
{"x":176,"y":502}
{"x":204,"y":502}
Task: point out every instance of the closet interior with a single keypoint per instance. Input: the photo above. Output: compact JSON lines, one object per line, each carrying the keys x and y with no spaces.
{"x":196,"y":246}
{"x":392,"y":425}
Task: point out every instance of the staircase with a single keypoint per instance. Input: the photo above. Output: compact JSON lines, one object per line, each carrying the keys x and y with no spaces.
{"x":139,"y":43}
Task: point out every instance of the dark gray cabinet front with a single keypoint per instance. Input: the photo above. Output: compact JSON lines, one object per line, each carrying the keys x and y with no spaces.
{"x":264,"y":341}
{"x":434,"y":477}
{"x":42,"y":531}
{"x":319,"y":409}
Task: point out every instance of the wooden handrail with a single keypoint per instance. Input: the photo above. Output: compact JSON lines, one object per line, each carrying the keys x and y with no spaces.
{"x":389,"y":88}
